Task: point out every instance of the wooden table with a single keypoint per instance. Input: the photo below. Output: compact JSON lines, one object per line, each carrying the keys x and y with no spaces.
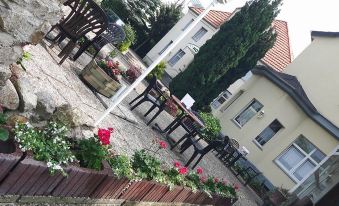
{"x":178,"y":120}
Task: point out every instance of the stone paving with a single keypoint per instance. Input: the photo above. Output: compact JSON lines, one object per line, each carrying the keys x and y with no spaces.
{"x":64,"y":87}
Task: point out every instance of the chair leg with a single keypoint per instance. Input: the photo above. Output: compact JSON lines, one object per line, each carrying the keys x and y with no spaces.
{"x":197,"y":162}
{"x":81,"y":50}
{"x":137,"y":104}
{"x":178,"y":142}
{"x":184,"y":147}
{"x":136,"y":98}
{"x":173,"y":128}
{"x":66,"y":51}
{"x":191,"y":159}
{"x":155,"y":116}
{"x":150,"y":110}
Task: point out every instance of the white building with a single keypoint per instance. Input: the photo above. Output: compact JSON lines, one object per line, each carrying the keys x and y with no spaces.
{"x":182,"y":55}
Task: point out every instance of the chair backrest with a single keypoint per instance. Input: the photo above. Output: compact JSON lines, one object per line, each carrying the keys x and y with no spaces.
{"x":114,"y":34}
{"x":212,"y":145}
{"x":85,"y":16}
{"x":234,"y":143}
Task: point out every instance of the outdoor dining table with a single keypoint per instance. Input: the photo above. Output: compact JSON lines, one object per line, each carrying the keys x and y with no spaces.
{"x":185,"y":113}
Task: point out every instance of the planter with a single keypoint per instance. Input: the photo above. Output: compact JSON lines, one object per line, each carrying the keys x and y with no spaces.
{"x":156,"y":193}
{"x":81,"y":182}
{"x":137,"y":190}
{"x":99,"y":80}
{"x":277,"y":197}
{"x":110,"y":188}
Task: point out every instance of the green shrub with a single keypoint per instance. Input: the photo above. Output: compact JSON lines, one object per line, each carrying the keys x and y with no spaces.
{"x":212,"y":126}
{"x":129,"y":39}
{"x":158,"y":71}
{"x":121,"y":166}
{"x":49,"y":145}
{"x":90,"y":152}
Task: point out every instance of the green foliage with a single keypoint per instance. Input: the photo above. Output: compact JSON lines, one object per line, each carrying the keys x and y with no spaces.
{"x":239,"y":43}
{"x":147,"y":166}
{"x":2,"y":119}
{"x":121,"y":166}
{"x":49,"y":145}
{"x":212,"y":126}
{"x":129,"y":40}
{"x":91,"y":153}
{"x":4,"y":134}
{"x":158,"y":71}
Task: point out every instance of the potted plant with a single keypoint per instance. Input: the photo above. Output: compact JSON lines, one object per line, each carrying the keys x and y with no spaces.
{"x":103,"y":76}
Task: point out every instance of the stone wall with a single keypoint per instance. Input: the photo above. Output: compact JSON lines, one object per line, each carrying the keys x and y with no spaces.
{"x":21,"y":22}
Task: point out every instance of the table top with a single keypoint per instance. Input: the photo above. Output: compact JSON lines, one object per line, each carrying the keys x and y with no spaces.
{"x":184,"y":109}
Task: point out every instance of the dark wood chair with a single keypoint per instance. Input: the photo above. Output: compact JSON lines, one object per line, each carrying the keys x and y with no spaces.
{"x":85,"y":16}
{"x":145,"y":96}
{"x":113,"y":35}
{"x":248,"y":174}
{"x":198,"y":150}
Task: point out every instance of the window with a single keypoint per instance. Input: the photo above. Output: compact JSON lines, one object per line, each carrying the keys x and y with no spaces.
{"x":197,"y":36}
{"x":176,"y":57}
{"x":187,"y":25}
{"x":221,"y":99}
{"x":164,"y":49}
{"x":300,"y":158}
{"x":248,"y":112}
{"x":268,"y":132}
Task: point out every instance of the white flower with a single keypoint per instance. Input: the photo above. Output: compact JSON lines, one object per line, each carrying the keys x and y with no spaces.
{"x":49,"y":164}
{"x":23,"y":149}
{"x":57,"y":167}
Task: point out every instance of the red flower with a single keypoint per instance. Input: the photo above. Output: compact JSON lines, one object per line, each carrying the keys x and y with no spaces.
{"x":199,"y":170}
{"x":110,"y":129}
{"x":216,"y":180}
{"x":162,"y":144}
{"x":183,"y":170}
{"x":177,"y":164}
{"x":110,"y":64}
{"x":116,"y":71}
{"x":236,"y":186}
{"x":104,"y":136}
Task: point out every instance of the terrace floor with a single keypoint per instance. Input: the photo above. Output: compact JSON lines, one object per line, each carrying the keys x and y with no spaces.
{"x":64,"y":87}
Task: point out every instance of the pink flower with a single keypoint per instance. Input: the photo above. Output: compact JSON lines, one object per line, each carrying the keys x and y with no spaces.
{"x":236,"y":186}
{"x":110,"y":64}
{"x":225,"y":182}
{"x":203,"y":179}
{"x":216,"y":180}
{"x":104,"y":136}
{"x":183,"y":170}
{"x":177,"y":164}
{"x":162,"y":144}
{"x":110,"y":129}
{"x":199,"y":170}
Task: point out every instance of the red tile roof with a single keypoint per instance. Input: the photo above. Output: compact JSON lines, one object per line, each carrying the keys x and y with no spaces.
{"x":278,"y":57}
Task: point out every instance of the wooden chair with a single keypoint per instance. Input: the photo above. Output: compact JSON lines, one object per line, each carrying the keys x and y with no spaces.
{"x":157,"y":102}
{"x":248,"y":174}
{"x":85,"y":16}
{"x":113,"y":35}
{"x":198,"y":150}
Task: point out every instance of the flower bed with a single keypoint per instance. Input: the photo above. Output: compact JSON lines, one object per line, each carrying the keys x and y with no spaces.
{"x":87,"y":168}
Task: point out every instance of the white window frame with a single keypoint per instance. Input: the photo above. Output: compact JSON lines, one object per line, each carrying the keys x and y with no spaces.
{"x":164,"y":49}
{"x":243,"y":109}
{"x":200,"y":33}
{"x":224,"y":95}
{"x":261,"y":145}
{"x":187,"y":25}
{"x":306,"y":157}
{"x":173,"y":60}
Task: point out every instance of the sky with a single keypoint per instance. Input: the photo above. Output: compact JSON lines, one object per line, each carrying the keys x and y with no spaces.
{"x":302,"y":16}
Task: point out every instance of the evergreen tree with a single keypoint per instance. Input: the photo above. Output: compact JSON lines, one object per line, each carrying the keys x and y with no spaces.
{"x":240,"y":40}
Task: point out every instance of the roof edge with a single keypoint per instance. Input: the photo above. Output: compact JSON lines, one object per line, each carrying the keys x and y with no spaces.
{"x":311,"y":112}
{"x":324,"y":34}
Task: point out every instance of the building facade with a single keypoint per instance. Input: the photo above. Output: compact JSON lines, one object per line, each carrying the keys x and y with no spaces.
{"x":289,"y":120}
{"x":182,"y":55}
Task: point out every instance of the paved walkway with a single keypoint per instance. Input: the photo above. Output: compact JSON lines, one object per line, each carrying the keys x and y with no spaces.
{"x":65,"y":87}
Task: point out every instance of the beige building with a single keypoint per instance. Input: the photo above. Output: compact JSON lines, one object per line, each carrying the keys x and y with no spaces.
{"x":182,"y":55}
{"x":289,"y":121}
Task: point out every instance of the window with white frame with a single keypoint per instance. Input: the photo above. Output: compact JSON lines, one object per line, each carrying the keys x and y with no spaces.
{"x":187,"y":25}
{"x":300,"y":159}
{"x":248,"y":112}
{"x":164,"y":49}
{"x":221,"y":99}
{"x":268,"y":132}
{"x":197,"y":36}
{"x":176,"y":57}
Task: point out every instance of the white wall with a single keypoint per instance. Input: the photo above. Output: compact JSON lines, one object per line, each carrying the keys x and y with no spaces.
{"x":182,"y":64}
